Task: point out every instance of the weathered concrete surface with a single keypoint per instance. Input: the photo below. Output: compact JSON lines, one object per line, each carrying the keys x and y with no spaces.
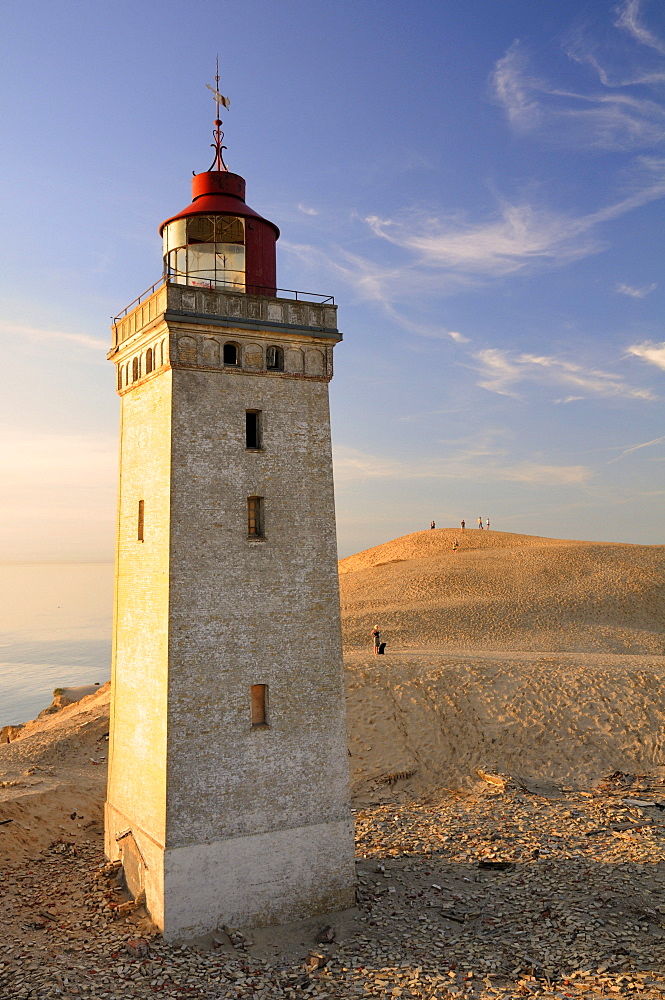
{"x":233,"y":823}
{"x":302,"y":871}
{"x":139,"y":675}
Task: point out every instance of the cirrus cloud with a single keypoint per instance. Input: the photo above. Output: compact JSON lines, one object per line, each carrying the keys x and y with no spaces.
{"x":503,"y":371}
{"x":608,"y":118}
{"x":352,"y":465}
{"x":649,"y":351}
{"x":46,"y":334}
{"x":636,"y":292}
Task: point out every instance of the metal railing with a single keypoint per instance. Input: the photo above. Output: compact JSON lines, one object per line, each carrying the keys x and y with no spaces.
{"x":138,"y":300}
{"x":228,"y":286}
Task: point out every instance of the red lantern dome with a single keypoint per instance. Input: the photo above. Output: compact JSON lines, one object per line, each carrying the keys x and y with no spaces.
{"x":219,"y":241}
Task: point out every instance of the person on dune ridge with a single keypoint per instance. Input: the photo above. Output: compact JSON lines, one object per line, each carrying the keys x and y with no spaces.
{"x":376,"y":636}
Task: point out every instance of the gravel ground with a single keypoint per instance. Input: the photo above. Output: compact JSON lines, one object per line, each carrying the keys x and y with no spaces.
{"x":501,"y":891}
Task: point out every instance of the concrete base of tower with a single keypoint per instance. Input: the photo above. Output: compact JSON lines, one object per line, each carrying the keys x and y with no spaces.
{"x":256,"y":881}
{"x":252,"y":881}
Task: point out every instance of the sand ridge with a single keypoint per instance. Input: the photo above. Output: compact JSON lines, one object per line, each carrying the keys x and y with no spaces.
{"x":506,"y":591}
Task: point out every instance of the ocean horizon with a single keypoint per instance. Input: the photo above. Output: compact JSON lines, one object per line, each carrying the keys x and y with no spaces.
{"x":55,"y":631}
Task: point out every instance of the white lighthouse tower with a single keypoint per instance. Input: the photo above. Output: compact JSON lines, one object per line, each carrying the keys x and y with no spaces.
{"x":228,"y":798}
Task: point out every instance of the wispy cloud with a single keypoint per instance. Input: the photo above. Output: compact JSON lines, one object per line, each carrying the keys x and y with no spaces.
{"x":374,"y":281}
{"x":649,"y":351}
{"x":629,"y":18}
{"x":352,"y":465}
{"x":637,"y":292}
{"x":608,"y":118}
{"x":307,"y":209}
{"x":520,"y":237}
{"x":504,"y":371}
{"x":515,"y":90}
{"x":637,"y":447}
{"x":45,"y":334}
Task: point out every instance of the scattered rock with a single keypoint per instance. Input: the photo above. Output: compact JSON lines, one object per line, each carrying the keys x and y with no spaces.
{"x":315,"y":960}
{"x":138,"y":947}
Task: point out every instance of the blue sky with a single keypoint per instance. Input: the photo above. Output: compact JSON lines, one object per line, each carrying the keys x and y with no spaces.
{"x":480,"y":185}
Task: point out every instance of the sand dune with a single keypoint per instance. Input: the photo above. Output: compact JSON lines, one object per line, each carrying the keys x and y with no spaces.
{"x":419,"y":720}
{"x":531,"y":656}
{"x":504,"y":591}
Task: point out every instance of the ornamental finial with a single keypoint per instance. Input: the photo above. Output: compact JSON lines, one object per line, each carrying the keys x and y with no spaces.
{"x":218,"y":135}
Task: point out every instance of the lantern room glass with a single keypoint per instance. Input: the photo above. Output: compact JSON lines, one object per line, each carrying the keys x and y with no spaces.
{"x":206,"y":250}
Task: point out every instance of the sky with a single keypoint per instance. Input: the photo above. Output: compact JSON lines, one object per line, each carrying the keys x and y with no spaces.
{"x":480,"y":185}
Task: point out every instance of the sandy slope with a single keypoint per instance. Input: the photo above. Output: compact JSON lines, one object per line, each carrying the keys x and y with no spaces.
{"x":421,"y":719}
{"x":532,"y":657}
{"x":520,"y":654}
{"x":53,"y":778}
{"x":504,"y":591}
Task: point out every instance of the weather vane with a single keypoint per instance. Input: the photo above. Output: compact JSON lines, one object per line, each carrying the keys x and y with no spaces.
{"x":218,"y":135}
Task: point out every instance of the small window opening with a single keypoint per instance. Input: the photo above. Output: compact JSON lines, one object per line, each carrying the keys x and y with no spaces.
{"x":255,"y":517}
{"x":275,"y":359}
{"x":148,"y":361}
{"x":230,"y":354}
{"x":135,"y":369}
{"x":253,"y":428}
{"x":141,"y":520}
{"x":120,"y":376}
{"x":259,"y":694}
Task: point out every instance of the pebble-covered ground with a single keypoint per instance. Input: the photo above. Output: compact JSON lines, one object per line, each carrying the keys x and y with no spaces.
{"x":496,"y":892}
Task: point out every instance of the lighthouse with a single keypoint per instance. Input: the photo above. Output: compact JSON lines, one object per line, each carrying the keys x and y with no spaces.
{"x":228,"y":790}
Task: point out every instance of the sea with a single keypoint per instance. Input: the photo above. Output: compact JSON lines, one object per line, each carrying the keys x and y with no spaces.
{"x":55,"y":631}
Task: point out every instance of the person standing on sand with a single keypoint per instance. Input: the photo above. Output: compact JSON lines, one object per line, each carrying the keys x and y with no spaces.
{"x":462,"y":524}
{"x":480,"y":523}
{"x":488,"y":524}
{"x":376,"y":636}
{"x":432,"y":525}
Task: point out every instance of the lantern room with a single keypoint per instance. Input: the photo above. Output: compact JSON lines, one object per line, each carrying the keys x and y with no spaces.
{"x":219,"y":241}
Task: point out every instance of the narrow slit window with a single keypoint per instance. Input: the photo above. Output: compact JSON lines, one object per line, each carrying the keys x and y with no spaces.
{"x":230,"y":354}
{"x":253,"y":429}
{"x":255,"y":517}
{"x":135,"y":369}
{"x":275,"y":359}
{"x":259,"y":694}
{"x":141,"y":521}
{"x":148,"y":361}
